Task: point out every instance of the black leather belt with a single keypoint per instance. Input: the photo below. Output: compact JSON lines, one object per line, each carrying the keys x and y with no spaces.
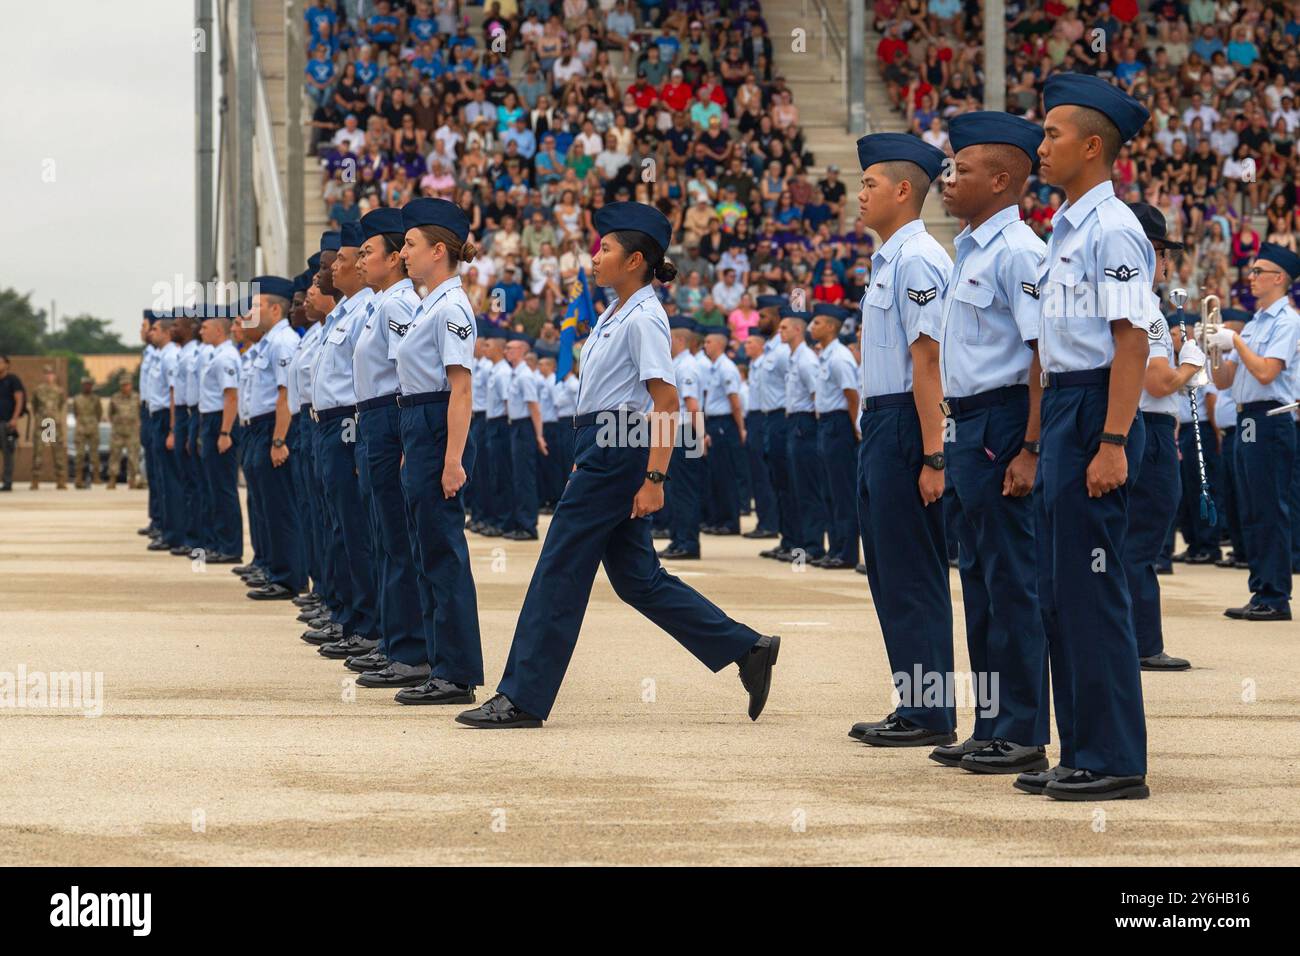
{"x":1163,"y":419}
{"x":875,"y":402}
{"x":973,"y":403}
{"x":478,"y":416}
{"x":775,"y":411}
{"x":423,"y":398}
{"x":800,"y":414}
{"x":1260,"y":406}
{"x":323,"y":415}
{"x":582,"y":421}
{"x":259,"y":419}
{"x":304,"y":407}
{"x":1092,"y":376}
{"x":383,"y":401}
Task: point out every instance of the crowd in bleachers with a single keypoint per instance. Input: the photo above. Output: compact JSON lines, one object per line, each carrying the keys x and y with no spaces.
{"x":535,"y":119}
{"x":1221,"y":79}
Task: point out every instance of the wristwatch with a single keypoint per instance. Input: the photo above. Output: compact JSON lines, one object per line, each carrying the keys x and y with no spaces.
{"x":1033,"y":447}
{"x":224,"y":435}
{"x":1111,"y":438}
{"x":656,"y":477}
{"x":277,"y":442}
{"x":935,"y":461}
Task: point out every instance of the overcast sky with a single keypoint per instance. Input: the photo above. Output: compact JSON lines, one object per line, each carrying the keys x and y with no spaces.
{"x":98,"y":99}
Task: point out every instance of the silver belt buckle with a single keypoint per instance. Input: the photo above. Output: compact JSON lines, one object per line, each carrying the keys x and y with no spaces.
{"x":1044,"y":379}
{"x":945,"y":408}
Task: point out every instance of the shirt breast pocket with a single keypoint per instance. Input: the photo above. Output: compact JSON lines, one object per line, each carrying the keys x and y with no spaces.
{"x":261,"y":362}
{"x":976,"y":295}
{"x":1059,"y":292}
{"x":878,"y":326}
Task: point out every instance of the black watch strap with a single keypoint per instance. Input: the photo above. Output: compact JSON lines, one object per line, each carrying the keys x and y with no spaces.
{"x":657,"y":477}
{"x":1033,"y":447}
{"x":224,"y":435}
{"x":935,"y":461}
{"x":1111,"y":438}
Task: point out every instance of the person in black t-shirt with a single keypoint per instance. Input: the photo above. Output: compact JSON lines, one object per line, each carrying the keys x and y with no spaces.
{"x":13,"y":405}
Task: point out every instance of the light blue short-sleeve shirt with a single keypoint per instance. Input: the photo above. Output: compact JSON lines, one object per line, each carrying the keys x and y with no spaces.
{"x":1273,"y":333}
{"x":836,"y":371}
{"x":770,"y":388}
{"x":374,"y":357}
{"x":441,"y":333}
{"x":498,"y":387}
{"x":332,"y":385}
{"x":221,"y":372}
{"x":904,"y":301}
{"x":720,"y":384}
{"x":629,"y":345}
{"x":1098,"y":270}
{"x":991,"y":306}
{"x":521,"y":391}
{"x":801,"y":380}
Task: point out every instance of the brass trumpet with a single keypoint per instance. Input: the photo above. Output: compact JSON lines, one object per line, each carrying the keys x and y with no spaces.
{"x":1211,"y":319}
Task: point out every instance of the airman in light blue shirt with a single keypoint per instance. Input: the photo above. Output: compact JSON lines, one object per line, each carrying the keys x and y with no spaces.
{"x":722,"y":382}
{"x":801,"y":379}
{"x":442,"y":332}
{"x":332,"y":382}
{"x":836,"y":371}
{"x":1273,"y":334}
{"x":628,"y":346}
{"x":991,"y":306}
{"x":387,"y":317}
{"x":219,"y":373}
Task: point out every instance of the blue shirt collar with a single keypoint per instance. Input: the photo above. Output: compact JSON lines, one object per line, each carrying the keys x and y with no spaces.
{"x":1075,"y":213}
{"x":991,"y":227}
{"x":441,"y":289}
{"x":905,"y":232}
{"x":1275,"y":309}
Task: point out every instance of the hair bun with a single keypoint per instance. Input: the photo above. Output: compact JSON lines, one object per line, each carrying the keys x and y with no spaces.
{"x":468,"y":251}
{"x":666,"y":271}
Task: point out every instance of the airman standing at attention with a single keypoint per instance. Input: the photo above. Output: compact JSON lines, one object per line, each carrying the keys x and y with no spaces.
{"x":89,"y":413}
{"x":49,"y":418}
{"x":124,"y":421}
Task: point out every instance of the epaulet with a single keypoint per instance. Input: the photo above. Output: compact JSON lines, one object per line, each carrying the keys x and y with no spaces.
{"x":1113,"y":213}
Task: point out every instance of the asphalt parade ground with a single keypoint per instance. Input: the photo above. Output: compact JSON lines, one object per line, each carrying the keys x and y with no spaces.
{"x":219,"y":737}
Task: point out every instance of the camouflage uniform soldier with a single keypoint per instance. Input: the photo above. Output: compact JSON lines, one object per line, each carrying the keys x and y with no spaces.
{"x":89,"y":414}
{"x":124,"y":414}
{"x":49,"y":404}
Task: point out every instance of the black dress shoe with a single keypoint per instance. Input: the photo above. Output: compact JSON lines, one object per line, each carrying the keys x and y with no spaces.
{"x":860,"y":730}
{"x":243,"y":569}
{"x":1037,"y":781}
{"x":1202,"y":557}
{"x":835,"y":564}
{"x":181,"y":551}
{"x":1227,"y":561}
{"x":396,"y":674}
{"x":320,"y":621}
{"x":1181,"y":556}
{"x":435,"y":690}
{"x":146,"y":532}
{"x":1236,"y":613}
{"x":756,"y":672}
{"x":724,"y":532}
{"x":497,"y":713}
{"x":896,"y":731}
{"x":1086,"y":785}
{"x":309,"y":614}
{"x":490,"y":531}
{"x":271,"y":592}
{"x":759,"y":534}
{"x":1163,"y":662}
{"x":660,"y":534}
{"x":1003,"y":756}
{"x":323,"y":635}
{"x":1164,"y":569}
{"x":770,"y":553}
{"x":520,"y":535}
{"x":256,"y":580}
{"x":376,"y":660}
{"x":310,"y":599}
{"x":678,"y":554}
{"x":545,"y":510}
{"x":1259,"y":612}
{"x":818,"y":562}
{"x":861,"y":569}
{"x":950,"y":755}
{"x":157,"y":545}
{"x":350,"y":646}
{"x":223,"y":559}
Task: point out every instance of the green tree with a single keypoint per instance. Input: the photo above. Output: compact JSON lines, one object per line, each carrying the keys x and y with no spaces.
{"x":86,"y":335}
{"x":22,"y":328}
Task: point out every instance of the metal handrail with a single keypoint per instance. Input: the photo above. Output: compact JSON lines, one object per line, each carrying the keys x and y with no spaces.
{"x":830,"y":35}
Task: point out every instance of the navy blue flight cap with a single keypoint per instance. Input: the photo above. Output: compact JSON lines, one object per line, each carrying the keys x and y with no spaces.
{"x":789,"y":313}
{"x":350,"y":234}
{"x":1235,"y":315}
{"x":713,"y":330}
{"x":991,"y":126}
{"x":1077,"y":89}
{"x":380,"y":221}
{"x":436,"y":212}
{"x":1152,"y":221}
{"x":681,"y":322}
{"x":313,"y":264}
{"x":302,"y":281}
{"x":487,"y":330}
{"x":153,"y":315}
{"x":634,"y":217}
{"x":513,"y":336}
{"x":771,"y":301}
{"x":834,"y":311}
{"x":330,"y":241}
{"x":900,"y":148}
{"x":1281,"y":257}
{"x":274,"y":285}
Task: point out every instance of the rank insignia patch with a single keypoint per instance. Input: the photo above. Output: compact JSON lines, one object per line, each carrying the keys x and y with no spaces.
{"x":922,"y":296}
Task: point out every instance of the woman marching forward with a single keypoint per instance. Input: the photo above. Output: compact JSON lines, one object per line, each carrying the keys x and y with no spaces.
{"x":626,"y":371}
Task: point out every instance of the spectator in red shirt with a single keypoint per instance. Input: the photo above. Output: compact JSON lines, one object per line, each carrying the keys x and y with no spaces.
{"x":676,"y":93}
{"x":644,"y":94}
{"x":829,"y":289}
